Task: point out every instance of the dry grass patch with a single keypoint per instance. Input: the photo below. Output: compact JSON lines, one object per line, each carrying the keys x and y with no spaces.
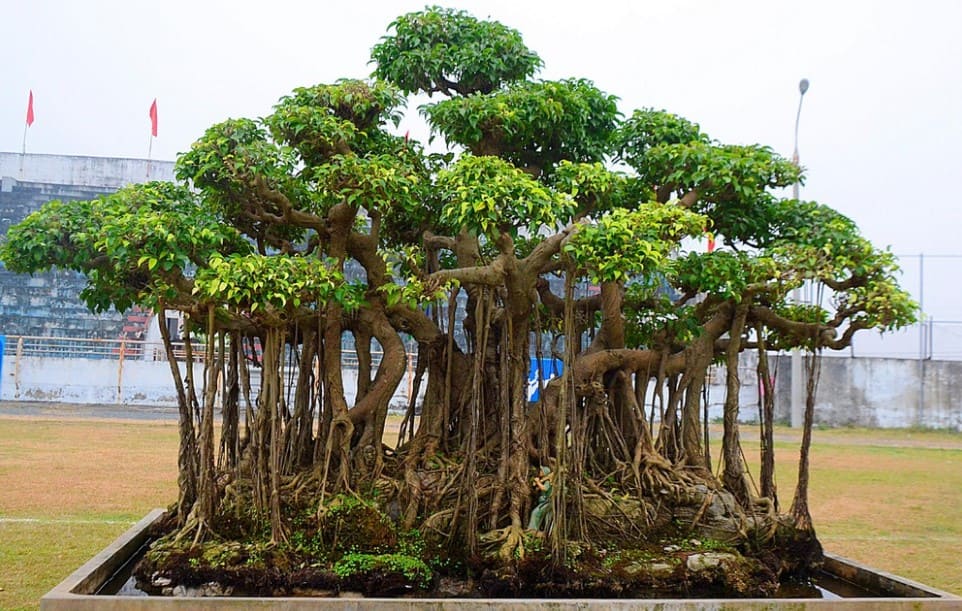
{"x":880,"y":497}
{"x":86,"y":468}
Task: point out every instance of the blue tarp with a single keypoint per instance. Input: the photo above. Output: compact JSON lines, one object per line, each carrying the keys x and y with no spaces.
{"x":550,"y":368}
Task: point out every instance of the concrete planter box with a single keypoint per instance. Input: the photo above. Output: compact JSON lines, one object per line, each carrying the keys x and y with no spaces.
{"x":78,"y":592}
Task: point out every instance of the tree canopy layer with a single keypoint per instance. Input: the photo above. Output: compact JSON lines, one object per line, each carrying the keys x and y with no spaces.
{"x":291,"y":234}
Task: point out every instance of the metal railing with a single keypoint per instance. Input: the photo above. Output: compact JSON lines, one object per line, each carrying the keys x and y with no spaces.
{"x":123,"y":349}
{"x":88,"y":348}
{"x":29,"y":352}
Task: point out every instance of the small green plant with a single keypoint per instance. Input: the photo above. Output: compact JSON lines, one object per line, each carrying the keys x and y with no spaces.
{"x":414,"y":570}
{"x":708,"y":545}
{"x":349,"y":524}
{"x":533,"y":543}
{"x":610,"y":559}
{"x":411,"y":543}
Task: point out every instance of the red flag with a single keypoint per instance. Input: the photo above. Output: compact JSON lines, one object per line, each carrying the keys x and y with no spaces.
{"x":711,"y":242}
{"x":153,"y":118}
{"x":30,"y":109}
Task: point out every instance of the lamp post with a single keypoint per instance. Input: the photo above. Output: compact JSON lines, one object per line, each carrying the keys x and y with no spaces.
{"x":796,"y":393}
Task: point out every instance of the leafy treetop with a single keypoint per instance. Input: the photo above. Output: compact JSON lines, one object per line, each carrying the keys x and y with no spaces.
{"x":448,"y":51}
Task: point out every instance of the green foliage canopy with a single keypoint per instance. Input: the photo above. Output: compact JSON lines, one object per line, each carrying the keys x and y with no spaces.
{"x":449,"y":51}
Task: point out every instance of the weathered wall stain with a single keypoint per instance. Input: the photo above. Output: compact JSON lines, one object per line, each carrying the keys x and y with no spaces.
{"x":47,"y":304}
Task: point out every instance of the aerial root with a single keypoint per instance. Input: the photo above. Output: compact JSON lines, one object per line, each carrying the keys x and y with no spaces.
{"x":701,"y":510}
{"x":659,"y":478}
{"x":770,"y":515}
{"x":303,"y":483}
{"x":508,"y":541}
{"x":513,"y":546}
{"x":193,"y":526}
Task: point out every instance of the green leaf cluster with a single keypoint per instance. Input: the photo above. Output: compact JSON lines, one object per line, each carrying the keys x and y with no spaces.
{"x":326,"y":120}
{"x":531,"y":124}
{"x":415,"y":570}
{"x":733,"y":182}
{"x":375,"y":183}
{"x":275,"y":285}
{"x":724,"y":275}
{"x":488,"y":195}
{"x":134,"y":246}
{"x":625,"y":243}
{"x":646,"y":129}
{"x":413,"y":292}
{"x":651,"y":317}
{"x":449,"y":51}
{"x":230,"y":162}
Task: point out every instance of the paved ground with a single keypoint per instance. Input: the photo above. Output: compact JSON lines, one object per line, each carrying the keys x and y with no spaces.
{"x":896,"y":438}
{"x":83,"y":410}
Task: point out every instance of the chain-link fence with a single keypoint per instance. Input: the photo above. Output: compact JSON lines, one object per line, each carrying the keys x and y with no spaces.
{"x":934,"y":282}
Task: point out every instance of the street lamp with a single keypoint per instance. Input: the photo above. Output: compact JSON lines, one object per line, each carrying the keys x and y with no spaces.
{"x":796,"y":393}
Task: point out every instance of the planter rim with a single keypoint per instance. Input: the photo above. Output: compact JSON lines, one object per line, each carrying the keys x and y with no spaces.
{"x":77,"y":592}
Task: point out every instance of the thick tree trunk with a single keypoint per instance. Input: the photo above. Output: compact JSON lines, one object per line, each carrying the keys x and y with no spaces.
{"x":734,"y":473}
{"x":341,"y":429}
{"x":693,"y":381}
{"x":362,"y":346}
{"x":799,"y":511}
{"x":272,"y":389}
{"x":611,"y":335}
{"x":230,"y":413}
{"x":370,"y":411}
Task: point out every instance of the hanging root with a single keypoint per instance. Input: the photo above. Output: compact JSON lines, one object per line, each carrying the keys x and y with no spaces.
{"x":439,"y":522}
{"x":513,"y":546}
{"x":659,"y":478}
{"x":193,"y":526}
{"x":506,"y":543}
{"x":302,"y":483}
{"x":765,"y":515}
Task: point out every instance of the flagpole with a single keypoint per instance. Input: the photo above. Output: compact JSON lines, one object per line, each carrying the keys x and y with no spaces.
{"x":23,"y":148}
{"x":153,"y":133}
{"x":150,"y":148}
{"x":26,"y":124}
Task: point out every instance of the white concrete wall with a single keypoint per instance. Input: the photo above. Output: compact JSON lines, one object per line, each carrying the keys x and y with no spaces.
{"x":109,"y":172}
{"x":105,"y":381}
{"x":72,"y":380}
{"x":884,"y":393}
{"x":869,"y":392}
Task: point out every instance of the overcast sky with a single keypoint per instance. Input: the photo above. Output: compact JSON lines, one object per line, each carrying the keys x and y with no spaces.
{"x":881,"y":125}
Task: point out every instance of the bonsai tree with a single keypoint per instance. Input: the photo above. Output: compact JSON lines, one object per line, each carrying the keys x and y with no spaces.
{"x":557,"y":227}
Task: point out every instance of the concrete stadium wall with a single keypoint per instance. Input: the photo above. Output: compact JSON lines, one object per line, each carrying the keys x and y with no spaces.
{"x":107,"y":381}
{"x":108,"y":173}
{"x":868,"y":392}
{"x":47,"y":304}
{"x":94,"y":381}
{"x":883,"y":393}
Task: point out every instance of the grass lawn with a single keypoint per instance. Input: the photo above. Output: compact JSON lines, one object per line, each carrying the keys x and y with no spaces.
{"x":68,"y":489}
{"x":886,"y":498}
